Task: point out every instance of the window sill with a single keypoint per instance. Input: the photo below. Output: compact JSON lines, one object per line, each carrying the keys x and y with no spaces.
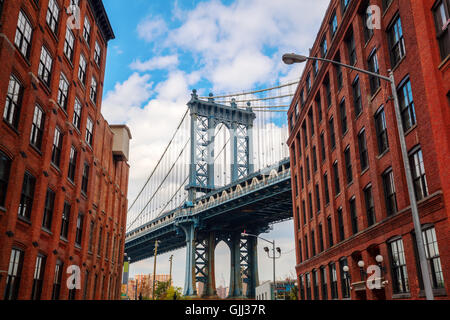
{"x":364,"y":171}
{"x":2,"y":209}
{"x":46,"y":230}
{"x":34,"y":148}
{"x":410,"y":129}
{"x":10,"y":126}
{"x":436,"y":292}
{"x":63,"y":239}
{"x":77,"y":246}
{"x":399,"y":62}
{"x":444,"y":62}
{"x":24,"y":219}
{"x":54,"y":166}
{"x":382,"y":154}
{"x":375,"y":93}
{"x":401,"y":296}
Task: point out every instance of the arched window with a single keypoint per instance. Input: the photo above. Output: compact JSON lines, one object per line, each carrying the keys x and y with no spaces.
{"x":5,"y":166}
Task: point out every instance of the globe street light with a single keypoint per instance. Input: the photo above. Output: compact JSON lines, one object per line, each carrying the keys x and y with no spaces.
{"x":291,"y":58}
{"x":273,"y":257}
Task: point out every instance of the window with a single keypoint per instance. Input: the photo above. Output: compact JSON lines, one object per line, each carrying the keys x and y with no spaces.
{"x":5,"y":167}
{"x":341,"y":224}
{"x":370,"y":208}
{"x":327,"y":92}
{"x":343,"y":115}
{"x":79,"y":231}
{"x":353,"y":215}
{"x":396,"y":41}
{"x":313,"y":243}
{"x":45,"y":66}
{"x":315,"y":276}
{"x":363,"y":154}
{"x":348,"y":165}
{"x":332,"y":135}
{"x":14,"y":96}
{"x":87,"y":30}
{"x":63,"y":91}
{"x":57,"y":146}
{"x":48,"y":209}
{"x":389,"y":192}
{"x":300,"y":248}
{"x":27,"y":195}
{"x":373,"y":67}
{"x":333,"y":24}
{"x":406,"y":102}
{"x":308,"y":172}
{"x":108,"y":244}
{"x":82,"y":70}
{"x":400,"y":283}
{"x":367,"y":16}
{"x":311,"y":121}
{"x":314,"y":155}
{"x":93,"y":93}
{"x":323,"y":280}
{"x":85,"y":178}
{"x":302,"y":98}
{"x":327,"y":193}
{"x":52,"y":15}
{"x":59,"y":269}
{"x":38,"y":277}
{"x":89,"y":131}
{"x":381,"y":130}
{"x":100,"y":242}
{"x":14,"y":274}
{"x":305,"y":134}
{"x":319,"y":107}
{"x":344,"y":5}
{"x":308,"y":82}
{"x":65,"y":220}
{"x":336,"y":178}
{"x":315,"y":67}
{"x":304,"y":211}
{"x":351,"y":49}
{"x":345,"y":281}
{"x":24,"y":32}
{"x":296,"y":186}
{"x":301,"y":178}
{"x":418,"y":174}
{"x":86,"y":284}
{"x":306,"y":247}
{"x":441,"y":13}
{"x":321,"y":246}
{"x":322,"y":146}
{"x":302,"y":288}
{"x":333,"y":280}
{"x":91,"y":236}
{"x":97,"y":53}
{"x":69,"y":41}
{"x":317,"y":198}
{"x":308,"y":286}
{"x":72,"y":163}
{"x":357,"y":103}
{"x":37,"y":127}
{"x":433,"y":257}
{"x":330,"y":232}
{"x":77,"y":114}
{"x":310,"y":206}
{"x":386,"y":4}
{"x":323,"y":47}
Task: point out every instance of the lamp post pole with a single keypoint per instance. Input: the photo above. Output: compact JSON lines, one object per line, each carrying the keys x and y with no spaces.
{"x":154,"y":269}
{"x":291,"y":58}
{"x":170,"y":272}
{"x":273,"y":257}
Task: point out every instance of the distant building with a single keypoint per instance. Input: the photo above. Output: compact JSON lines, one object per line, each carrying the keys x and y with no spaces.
{"x":222,"y":292}
{"x":266,"y":291}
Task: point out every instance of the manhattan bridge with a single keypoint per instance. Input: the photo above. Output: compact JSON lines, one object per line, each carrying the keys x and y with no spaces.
{"x":225,"y":170}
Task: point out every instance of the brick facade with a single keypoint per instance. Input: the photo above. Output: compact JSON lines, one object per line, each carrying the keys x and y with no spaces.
{"x":101,"y":198}
{"x":428,"y":74}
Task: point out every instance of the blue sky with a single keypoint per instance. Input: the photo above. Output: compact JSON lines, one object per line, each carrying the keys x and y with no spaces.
{"x":163,"y":49}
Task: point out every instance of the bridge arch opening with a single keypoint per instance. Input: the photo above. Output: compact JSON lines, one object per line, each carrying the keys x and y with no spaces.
{"x":222,"y":256}
{"x":222,"y":155}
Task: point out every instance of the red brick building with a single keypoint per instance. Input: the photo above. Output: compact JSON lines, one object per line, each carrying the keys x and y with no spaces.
{"x":349,"y":188}
{"x":63,"y":169}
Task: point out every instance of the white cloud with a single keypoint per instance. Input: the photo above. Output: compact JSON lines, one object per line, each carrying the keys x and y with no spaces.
{"x":156,"y":63}
{"x":151,"y":28}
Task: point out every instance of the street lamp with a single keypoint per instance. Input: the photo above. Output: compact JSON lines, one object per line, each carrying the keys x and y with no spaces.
{"x":290,"y":58}
{"x":273,"y":257}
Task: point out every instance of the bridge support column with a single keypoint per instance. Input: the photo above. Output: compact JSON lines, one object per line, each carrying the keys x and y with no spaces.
{"x":189,"y":285}
{"x":204,"y":263}
{"x":235,"y":267}
{"x":252,"y":279}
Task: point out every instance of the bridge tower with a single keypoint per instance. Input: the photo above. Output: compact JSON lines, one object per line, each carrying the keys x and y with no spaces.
{"x":201,"y":244}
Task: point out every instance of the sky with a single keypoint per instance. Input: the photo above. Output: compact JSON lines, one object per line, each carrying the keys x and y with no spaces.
{"x":164,"y":49}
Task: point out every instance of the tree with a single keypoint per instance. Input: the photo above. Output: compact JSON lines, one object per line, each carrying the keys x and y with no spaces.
{"x":293,"y":293}
{"x":161,"y":290}
{"x":174,"y":293}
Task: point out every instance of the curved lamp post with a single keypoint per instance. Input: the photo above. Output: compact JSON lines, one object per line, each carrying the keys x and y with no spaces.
{"x":291,"y":58}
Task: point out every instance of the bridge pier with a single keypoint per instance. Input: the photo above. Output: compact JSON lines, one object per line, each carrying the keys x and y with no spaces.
{"x":189,"y":285}
{"x":204,"y":263}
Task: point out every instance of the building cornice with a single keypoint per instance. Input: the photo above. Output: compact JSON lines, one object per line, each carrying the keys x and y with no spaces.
{"x":102,"y":19}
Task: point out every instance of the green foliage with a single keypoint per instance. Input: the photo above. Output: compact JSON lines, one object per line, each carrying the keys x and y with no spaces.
{"x":174,"y":293}
{"x":161,"y":290}
{"x":293,"y":293}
